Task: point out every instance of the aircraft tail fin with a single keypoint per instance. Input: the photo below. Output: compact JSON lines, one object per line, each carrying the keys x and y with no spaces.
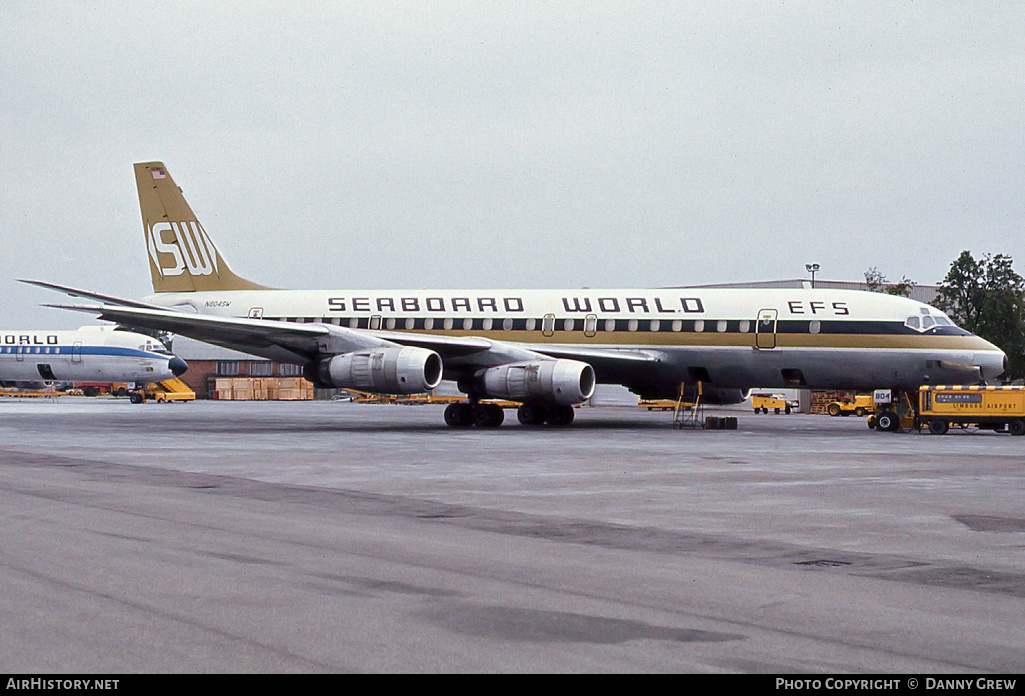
{"x":182,"y":257}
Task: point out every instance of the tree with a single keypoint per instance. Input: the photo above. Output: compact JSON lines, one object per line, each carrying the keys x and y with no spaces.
{"x":877,"y":282}
{"x":987,"y":297}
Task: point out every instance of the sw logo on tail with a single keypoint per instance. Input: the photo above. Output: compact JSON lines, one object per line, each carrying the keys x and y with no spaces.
{"x":191,"y":249}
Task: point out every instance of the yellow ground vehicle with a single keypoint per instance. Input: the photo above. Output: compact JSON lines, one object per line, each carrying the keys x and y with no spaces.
{"x":164,"y":392}
{"x":894,"y":411}
{"x":859,"y":405}
{"x":777,"y":402}
{"x":991,"y":408}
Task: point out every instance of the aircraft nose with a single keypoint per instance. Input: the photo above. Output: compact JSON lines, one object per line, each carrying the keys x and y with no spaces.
{"x":992,"y":364}
{"x":177,"y":366}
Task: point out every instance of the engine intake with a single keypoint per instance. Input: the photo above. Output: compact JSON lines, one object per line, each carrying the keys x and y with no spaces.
{"x":391,"y":370}
{"x":561,"y":381}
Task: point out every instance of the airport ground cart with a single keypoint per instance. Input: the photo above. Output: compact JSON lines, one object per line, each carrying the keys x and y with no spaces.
{"x":989,"y":408}
{"x":776,"y":402}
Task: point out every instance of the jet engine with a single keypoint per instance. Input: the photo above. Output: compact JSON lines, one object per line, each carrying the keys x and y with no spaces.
{"x":564,"y":382}
{"x":387,"y":370}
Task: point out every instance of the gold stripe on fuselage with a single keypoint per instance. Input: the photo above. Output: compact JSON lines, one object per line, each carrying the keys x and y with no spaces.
{"x":712,"y":339}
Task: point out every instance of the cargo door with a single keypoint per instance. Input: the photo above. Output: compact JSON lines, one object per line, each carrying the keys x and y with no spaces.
{"x":765,"y":329}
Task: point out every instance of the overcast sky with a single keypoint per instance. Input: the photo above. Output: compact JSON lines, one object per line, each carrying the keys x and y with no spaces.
{"x":434,"y":144}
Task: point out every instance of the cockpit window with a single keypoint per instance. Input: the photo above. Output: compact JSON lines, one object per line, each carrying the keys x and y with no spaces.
{"x":154,"y":348}
{"x":925,"y":322}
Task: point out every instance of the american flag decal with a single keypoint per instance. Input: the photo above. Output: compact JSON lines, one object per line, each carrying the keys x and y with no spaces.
{"x":159,"y":174}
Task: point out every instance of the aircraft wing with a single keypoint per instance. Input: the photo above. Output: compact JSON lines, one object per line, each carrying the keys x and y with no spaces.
{"x":284,"y":342}
{"x":301,"y":343}
{"x":89,"y":295}
{"x":304,"y":343}
{"x":611,"y":365}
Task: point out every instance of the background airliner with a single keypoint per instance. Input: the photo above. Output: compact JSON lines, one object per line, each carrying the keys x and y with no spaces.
{"x":544,"y":348}
{"x":90,"y":354}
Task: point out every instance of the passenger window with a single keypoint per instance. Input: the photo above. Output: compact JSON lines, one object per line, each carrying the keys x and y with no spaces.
{"x":814,"y":326}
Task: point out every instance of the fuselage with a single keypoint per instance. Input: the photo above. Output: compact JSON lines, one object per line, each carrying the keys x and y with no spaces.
{"x":90,"y":354}
{"x":733,"y":338}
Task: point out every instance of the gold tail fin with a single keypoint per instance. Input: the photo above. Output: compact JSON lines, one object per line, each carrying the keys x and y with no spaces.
{"x":182,"y":257}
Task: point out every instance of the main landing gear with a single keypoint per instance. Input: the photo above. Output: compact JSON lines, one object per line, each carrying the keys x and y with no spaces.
{"x":464,"y":414}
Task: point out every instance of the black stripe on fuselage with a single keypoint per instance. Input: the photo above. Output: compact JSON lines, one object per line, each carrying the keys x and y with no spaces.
{"x":534,"y":325}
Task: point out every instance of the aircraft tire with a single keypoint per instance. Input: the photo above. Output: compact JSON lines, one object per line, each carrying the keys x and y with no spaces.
{"x":488,"y":415}
{"x":531,"y":414}
{"x":560,"y":415}
{"x":888,"y":421}
{"x":459,"y":415}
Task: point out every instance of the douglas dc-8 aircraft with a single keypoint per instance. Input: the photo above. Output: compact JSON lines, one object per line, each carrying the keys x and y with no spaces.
{"x":544,"y":348}
{"x":90,"y":354}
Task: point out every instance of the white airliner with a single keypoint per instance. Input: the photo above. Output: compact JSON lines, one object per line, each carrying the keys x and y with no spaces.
{"x":90,"y":354}
{"x":544,"y":348}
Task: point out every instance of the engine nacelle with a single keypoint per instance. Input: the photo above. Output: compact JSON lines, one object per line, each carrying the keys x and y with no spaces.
{"x":389,"y":370}
{"x":561,"y":381}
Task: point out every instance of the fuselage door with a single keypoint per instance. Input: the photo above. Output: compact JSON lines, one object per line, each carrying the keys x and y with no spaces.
{"x":765,"y":329}
{"x":19,"y":353}
{"x":76,"y":352}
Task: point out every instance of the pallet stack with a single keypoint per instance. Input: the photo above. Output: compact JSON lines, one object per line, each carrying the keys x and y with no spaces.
{"x":821,"y":399}
{"x":261,"y":389}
